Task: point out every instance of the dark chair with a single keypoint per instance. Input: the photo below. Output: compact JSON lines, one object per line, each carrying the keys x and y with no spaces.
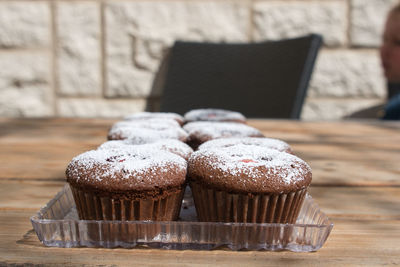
{"x":260,"y":80}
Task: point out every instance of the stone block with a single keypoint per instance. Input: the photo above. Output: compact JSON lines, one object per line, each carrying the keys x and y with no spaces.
{"x":79,"y":48}
{"x":347,"y":73}
{"x":24,"y":24}
{"x":286,"y":19}
{"x":367,"y":21}
{"x":137,"y":34}
{"x":99,"y":108}
{"x":24,"y":85}
{"x":335,"y":108}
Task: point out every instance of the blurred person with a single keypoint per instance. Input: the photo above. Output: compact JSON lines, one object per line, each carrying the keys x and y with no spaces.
{"x":390,"y":58}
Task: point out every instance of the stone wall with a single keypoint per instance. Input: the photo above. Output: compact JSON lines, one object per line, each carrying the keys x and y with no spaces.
{"x":98,"y":58}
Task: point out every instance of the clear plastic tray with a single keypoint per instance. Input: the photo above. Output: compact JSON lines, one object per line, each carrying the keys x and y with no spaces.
{"x":58,"y":225}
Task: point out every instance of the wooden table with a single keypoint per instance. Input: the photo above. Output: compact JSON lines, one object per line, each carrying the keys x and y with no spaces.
{"x":356,"y":181}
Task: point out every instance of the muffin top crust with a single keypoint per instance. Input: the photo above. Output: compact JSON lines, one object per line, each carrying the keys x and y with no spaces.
{"x":172,"y":145}
{"x":139,"y":169}
{"x":146,"y":131}
{"x":155,"y":124}
{"x":211,"y":114}
{"x":271,"y":143}
{"x":249,"y":169}
{"x":155,"y":115}
{"x":204,"y":130}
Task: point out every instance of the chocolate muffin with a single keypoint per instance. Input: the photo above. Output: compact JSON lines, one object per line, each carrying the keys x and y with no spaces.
{"x":245,"y":183}
{"x":139,"y":184}
{"x":172,"y":145}
{"x":203,"y":131}
{"x":155,"y":124}
{"x":211,"y":114}
{"x":147,"y":131}
{"x":155,"y":115}
{"x":271,"y":143}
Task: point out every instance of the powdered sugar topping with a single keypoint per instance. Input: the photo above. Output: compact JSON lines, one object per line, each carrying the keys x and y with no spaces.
{"x":136,"y":163}
{"x":252,"y":162}
{"x":155,"y":115}
{"x":210,"y":114}
{"x":215,"y":130}
{"x":153,"y":123}
{"x":263,"y":142}
{"x":147,"y":131}
{"x":172,"y":145}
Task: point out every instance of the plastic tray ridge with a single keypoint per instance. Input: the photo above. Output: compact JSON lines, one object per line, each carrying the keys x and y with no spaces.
{"x":58,"y":225}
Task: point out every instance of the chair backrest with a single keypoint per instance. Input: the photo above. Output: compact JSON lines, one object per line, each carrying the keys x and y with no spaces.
{"x":260,"y":80}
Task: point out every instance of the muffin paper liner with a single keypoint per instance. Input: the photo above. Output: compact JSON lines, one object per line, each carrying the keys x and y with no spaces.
{"x":221,"y":206}
{"x":58,"y":225}
{"x":92,"y":207}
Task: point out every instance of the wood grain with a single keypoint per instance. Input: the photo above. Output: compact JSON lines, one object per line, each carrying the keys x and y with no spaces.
{"x":27,"y":194}
{"x":352,"y":242}
{"x":46,"y":161}
{"x":356,"y":182}
{"x":346,"y":153}
{"x":42,"y":131}
{"x":358,"y":202}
